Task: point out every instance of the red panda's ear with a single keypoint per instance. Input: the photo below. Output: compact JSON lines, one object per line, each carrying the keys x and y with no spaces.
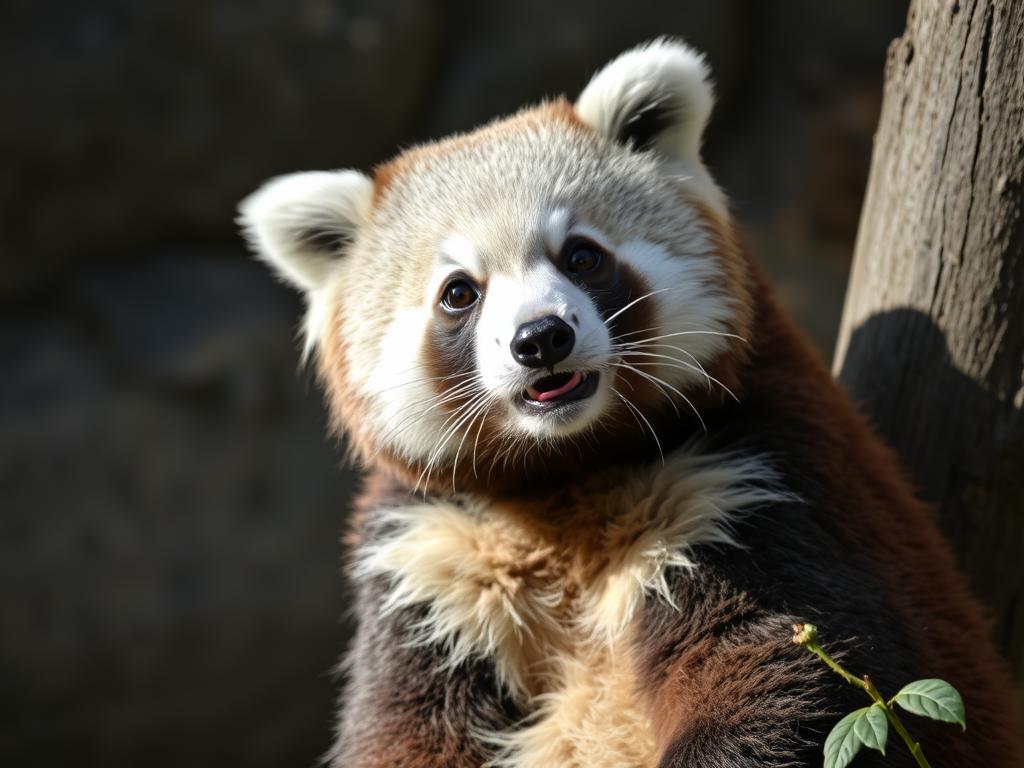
{"x":656,"y":96}
{"x":301,"y":223}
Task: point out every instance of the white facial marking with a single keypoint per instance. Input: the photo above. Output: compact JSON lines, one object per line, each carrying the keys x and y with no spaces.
{"x":458,"y":252}
{"x":555,"y":229}
{"x":691,"y":318}
{"x":455,"y":254}
{"x":398,"y":380}
{"x":591,"y":233}
{"x":512,"y":300}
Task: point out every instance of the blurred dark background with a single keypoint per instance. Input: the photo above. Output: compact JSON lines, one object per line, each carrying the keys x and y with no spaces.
{"x":170,"y":506}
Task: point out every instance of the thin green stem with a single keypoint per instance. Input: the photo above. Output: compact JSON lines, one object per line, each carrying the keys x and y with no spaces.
{"x":807,"y":636}
{"x":813,"y":647}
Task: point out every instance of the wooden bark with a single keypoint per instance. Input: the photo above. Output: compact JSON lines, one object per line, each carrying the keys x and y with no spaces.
{"x":932,"y":336}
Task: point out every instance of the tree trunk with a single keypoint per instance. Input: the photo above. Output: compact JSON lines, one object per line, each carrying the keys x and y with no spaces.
{"x":932,"y":337}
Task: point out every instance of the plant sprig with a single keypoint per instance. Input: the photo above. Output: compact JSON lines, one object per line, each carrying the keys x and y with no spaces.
{"x":869,"y":726}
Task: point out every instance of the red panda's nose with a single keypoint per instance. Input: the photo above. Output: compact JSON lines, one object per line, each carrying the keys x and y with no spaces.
{"x":542,"y":343}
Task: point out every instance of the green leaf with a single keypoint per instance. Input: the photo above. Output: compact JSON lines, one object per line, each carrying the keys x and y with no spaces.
{"x":863,"y":727}
{"x":932,"y":698}
{"x":873,"y":728}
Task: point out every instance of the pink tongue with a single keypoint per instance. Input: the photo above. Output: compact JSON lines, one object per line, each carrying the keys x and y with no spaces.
{"x":551,"y":394}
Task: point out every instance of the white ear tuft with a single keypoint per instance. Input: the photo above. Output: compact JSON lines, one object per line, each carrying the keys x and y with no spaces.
{"x":301,"y":223}
{"x":656,"y":96}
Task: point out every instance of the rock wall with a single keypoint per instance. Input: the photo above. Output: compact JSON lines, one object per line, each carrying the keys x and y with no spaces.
{"x":169,"y":505}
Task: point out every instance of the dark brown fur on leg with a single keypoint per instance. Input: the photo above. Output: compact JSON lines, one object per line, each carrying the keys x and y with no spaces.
{"x":403,"y":707}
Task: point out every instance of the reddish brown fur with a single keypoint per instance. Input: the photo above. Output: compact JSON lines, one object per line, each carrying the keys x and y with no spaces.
{"x":738,"y":285}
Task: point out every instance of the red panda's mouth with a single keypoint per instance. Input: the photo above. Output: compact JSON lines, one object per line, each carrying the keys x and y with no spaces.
{"x":560,"y":388}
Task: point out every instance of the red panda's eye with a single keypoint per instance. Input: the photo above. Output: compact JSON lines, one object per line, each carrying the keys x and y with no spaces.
{"x":582,"y":257}
{"x":458,"y":295}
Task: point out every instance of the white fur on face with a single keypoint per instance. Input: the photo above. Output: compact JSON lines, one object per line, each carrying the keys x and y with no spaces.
{"x":409,"y":413}
{"x":555,"y":228}
{"x":691,"y":322}
{"x":511,"y":300}
{"x":398,"y":382}
{"x":458,"y":253}
{"x":692,"y":316}
{"x":689,"y":329}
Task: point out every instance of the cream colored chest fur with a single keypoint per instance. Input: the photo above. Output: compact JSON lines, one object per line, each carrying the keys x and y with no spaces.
{"x":555,"y":606}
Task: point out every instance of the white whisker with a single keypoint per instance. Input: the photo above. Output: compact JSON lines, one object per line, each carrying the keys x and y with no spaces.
{"x":655,"y":381}
{"x":482,"y":403}
{"x":435,"y":402}
{"x":690,"y":333}
{"x":685,"y":398}
{"x":618,"y":312}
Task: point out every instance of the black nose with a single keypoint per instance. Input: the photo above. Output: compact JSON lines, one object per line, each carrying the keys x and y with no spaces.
{"x":542,"y":343}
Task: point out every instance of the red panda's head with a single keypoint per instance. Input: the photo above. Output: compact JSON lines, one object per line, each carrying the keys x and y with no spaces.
{"x":553,"y":290}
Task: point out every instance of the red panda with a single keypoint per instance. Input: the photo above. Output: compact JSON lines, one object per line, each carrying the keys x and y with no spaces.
{"x":605,"y":473}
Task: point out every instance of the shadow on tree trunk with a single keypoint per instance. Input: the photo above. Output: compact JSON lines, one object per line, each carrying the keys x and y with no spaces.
{"x":963,"y":446}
